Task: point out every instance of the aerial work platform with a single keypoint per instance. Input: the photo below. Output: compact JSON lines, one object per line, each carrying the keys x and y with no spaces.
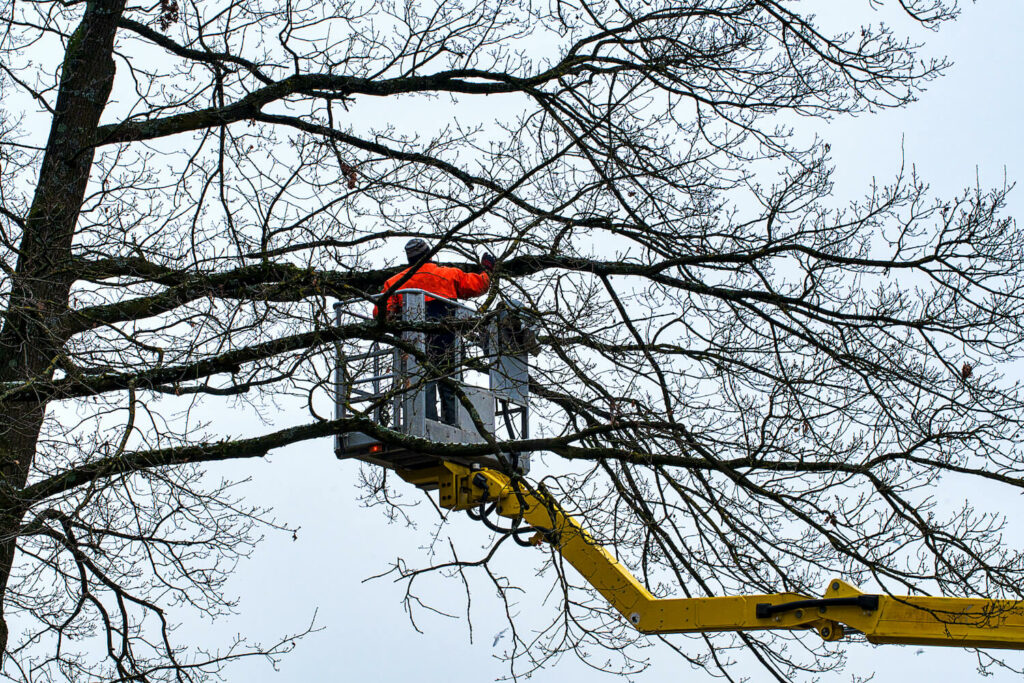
{"x":489,"y":372}
{"x":487,"y":369}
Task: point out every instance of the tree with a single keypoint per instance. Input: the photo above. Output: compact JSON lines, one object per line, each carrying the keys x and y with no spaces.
{"x":760,"y":389}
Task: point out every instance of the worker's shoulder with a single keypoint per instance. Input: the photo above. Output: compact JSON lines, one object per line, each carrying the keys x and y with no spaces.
{"x":396,"y":276}
{"x":452,"y":272}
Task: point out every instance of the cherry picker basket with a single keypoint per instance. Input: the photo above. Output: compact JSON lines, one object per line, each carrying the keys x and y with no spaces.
{"x":390,"y":386}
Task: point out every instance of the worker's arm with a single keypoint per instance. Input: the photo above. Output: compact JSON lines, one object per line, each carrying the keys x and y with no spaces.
{"x":468,"y":285}
{"x":909,"y":620}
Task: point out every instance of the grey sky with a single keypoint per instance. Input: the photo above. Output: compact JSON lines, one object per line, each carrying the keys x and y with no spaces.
{"x":964,"y":128}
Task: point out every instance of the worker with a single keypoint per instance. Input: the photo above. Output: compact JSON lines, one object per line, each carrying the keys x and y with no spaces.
{"x":448,"y":284}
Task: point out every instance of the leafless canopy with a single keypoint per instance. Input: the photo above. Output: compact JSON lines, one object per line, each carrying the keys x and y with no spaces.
{"x":760,"y":388}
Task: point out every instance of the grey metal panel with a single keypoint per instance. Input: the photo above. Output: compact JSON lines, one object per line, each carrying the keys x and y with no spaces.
{"x":483,"y":402}
{"x":414,"y":402}
{"x":339,"y":402}
{"x":510,"y":378}
{"x":442,"y":433}
{"x":465,"y":432}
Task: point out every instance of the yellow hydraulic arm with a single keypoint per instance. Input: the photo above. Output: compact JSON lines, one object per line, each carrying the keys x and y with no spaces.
{"x":914,"y":620}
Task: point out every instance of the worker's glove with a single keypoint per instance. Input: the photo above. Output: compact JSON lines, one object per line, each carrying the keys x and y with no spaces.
{"x":488,"y":261}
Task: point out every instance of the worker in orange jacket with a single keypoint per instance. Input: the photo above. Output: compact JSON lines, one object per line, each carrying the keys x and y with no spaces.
{"x":448,"y":284}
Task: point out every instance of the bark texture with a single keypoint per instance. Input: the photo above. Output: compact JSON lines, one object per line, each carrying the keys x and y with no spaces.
{"x":30,"y":342}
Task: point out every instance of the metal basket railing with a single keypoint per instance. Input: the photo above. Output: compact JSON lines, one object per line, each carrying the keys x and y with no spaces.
{"x":388,"y":385}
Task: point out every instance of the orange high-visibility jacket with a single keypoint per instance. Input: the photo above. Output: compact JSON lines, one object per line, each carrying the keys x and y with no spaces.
{"x":449,"y":283}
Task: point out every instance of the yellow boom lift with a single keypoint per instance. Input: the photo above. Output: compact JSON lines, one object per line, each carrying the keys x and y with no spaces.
{"x":393,"y":384}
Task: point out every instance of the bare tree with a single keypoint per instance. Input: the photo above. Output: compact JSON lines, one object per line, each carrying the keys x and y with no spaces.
{"x":766,"y":389}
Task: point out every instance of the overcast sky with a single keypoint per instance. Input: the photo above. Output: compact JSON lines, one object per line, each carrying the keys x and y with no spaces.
{"x":964,"y":129}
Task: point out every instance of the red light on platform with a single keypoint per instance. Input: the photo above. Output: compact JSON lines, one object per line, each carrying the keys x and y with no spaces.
{"x":376,"y":448}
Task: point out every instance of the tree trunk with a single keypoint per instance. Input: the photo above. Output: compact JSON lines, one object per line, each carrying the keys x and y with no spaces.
{"x":31,"y":340}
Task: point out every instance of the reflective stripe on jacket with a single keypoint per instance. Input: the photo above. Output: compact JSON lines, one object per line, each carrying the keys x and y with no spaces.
{"x":449,"y":283}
